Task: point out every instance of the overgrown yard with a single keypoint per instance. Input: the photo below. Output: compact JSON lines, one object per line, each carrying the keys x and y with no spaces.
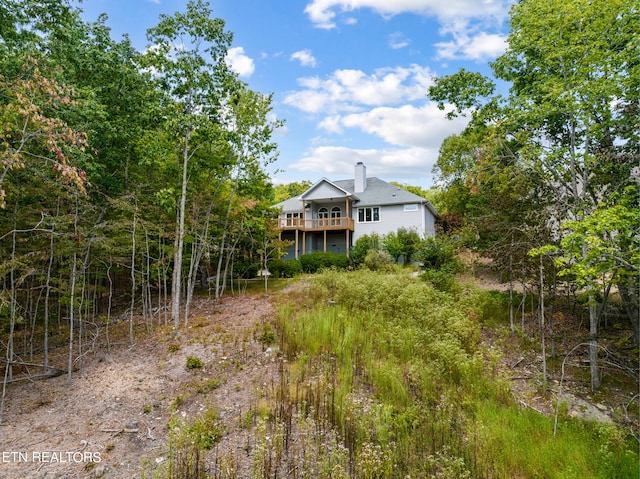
{"x":345,"y":375}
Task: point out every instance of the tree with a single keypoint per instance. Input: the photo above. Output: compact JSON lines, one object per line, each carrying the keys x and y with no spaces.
{"x":401,"y":243}
{"x":30,"y":137}
{"x":187,"y":52}
{"x":567,"y":120}
{"x":603,"y":249}
{"x":290,"y":190}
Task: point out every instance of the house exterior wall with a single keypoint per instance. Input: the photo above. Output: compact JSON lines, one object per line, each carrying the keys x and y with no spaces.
{"x":393,"y":217}
{"x":429,"y":222}
{"x":323,"y":191}
{"x":314,"y":210}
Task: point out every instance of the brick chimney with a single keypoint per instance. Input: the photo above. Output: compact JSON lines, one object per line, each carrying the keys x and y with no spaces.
{"x":360,"y":180}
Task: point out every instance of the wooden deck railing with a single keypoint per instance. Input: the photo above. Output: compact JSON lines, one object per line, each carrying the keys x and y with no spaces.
{"x":317,"y":224}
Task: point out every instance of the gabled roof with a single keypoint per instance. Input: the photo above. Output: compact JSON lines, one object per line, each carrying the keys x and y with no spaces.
{"x":377,"y":193}
{"x":323,"y":182}
{"x":380,"y":193}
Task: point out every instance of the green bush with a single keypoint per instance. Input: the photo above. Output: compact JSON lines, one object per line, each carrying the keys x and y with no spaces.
{"x":284,"y":269}
{"x":362,"y":246}
{"x":194,"y":362}
{"x":245,"y":270}
{"x":313,"y":262}
{"x":442,"y":279}
{"x":402,"y":243}
{"x":438,"y":254}
{"x":378,"y":260}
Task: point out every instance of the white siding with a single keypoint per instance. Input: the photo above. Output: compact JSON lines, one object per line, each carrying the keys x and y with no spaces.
{"x":323,"y":191}
{"x":394,"y":217}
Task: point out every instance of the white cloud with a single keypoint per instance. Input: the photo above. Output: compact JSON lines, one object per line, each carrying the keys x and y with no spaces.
{"x":323,"y":13}
{"x":350,"y":90}
{"x":332,"y":124}
{"x":305,"y":58}
{"x":414,"y":135}
{"x":410,"y":165}
{"x":408,"y":126}
{"x":470,"y":45}
{"x":398,"y":40}
{"x":469,"y":22}
{"x":239,"y":62}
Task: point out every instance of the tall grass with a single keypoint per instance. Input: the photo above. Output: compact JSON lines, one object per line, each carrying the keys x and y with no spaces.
{"x":393,"y":372}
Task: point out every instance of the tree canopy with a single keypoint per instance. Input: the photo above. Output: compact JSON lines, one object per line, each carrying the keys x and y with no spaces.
{"x":553,"y":161}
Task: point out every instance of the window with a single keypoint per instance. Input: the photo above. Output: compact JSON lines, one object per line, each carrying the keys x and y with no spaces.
{"x":336,"y":212}
{"x":290,"y":218}
{"x":323,"y":213}
{"x":411,"y":207}
{"x":368,"y":215}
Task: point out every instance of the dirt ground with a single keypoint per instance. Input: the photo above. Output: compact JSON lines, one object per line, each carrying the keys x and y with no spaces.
{"x":112,"y":420}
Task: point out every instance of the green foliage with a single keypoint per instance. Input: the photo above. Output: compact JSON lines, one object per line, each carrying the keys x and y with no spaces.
{"x":290,"y":190}
{"x":378,"y":260}
{"x":266,"y":336}
{"x":246,"y":270}
{"x":606,"y":242}
{"x":561,"y":141}
{"x":398,"y":367}
{"x":194,"y":362}
{"x":401,"y":243}
{"x":188,"y":441}
{"x":285,"y":268}
{"x":362,"y":246}
{"x":314,"y":262}
{"x":438,"y":254}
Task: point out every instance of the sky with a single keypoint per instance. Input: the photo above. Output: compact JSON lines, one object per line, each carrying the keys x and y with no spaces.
{"x":349,"y":78}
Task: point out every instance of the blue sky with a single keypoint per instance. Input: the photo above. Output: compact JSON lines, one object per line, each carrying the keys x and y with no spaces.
{"x":348,"y":77}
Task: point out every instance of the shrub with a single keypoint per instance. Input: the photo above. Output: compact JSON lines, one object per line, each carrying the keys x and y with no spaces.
{"x":442,"y":279}
{"x":438,"y":254}
{"x":284,"y":269}
{"x":194,"y":362}
{"x":402,"y":244}
{"x":313,"y":262}
{"x":245,"y":270}
{"x":378,"y":260}
{"x":362,"y":246}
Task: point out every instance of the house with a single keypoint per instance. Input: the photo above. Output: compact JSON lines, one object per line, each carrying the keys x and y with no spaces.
{"x":332,"y":215}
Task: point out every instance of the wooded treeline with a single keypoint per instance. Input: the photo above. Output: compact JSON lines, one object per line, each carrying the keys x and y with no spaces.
{"x":545,"y":178}
{"x":116,"y":167}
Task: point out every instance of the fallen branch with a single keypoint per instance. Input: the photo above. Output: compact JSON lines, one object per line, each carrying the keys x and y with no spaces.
{"x":54,"y":373}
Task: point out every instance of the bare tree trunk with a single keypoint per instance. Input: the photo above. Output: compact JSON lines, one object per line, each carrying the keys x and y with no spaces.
{"x":524,"y":305}
{"x":176,"y":288}
{"x":228,"y":261}
{"x":593,"y":335}
{"x":511,"y":320}
{"x":196,"y":257}
{"x":631,"y":305}
{"x":109,"y":302}
{"x":133,"y":275}
{"x":542,"y":327}
{"x":148,"y":309}
{"x":593,"y":343}
{"x":224,"y":236}
{"x":8,"y":370}
{"x":73,"y":279}
{"x":46,"y":298}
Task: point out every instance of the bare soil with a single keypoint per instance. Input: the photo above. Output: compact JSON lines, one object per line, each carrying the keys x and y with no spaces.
{"x":112,"y":420}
